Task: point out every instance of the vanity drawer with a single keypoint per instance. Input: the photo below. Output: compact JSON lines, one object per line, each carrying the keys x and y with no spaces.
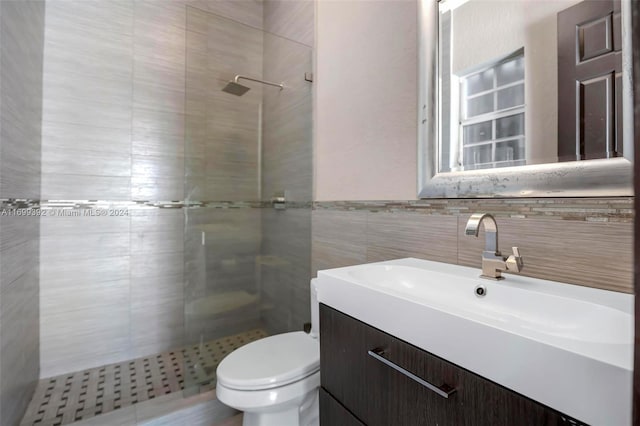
{"x":360,"y":367}
{"x":334,"y":414}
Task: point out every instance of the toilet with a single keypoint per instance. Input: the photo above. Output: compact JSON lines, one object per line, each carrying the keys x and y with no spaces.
{"x":275,"y":380}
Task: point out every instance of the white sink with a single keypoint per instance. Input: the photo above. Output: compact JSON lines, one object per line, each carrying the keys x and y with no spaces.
{"x":566,"y":346}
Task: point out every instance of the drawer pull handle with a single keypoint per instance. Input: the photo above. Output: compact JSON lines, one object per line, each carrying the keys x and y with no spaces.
{"x":444,"y":391}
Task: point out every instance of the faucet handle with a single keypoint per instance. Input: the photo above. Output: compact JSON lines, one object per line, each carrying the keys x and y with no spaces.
{"x":514,"y":262}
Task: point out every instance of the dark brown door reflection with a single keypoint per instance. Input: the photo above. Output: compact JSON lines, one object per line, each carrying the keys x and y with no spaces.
{"x":590,"y":81}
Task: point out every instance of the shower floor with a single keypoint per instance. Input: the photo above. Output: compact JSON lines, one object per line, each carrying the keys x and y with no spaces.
{"x":77,"y":396}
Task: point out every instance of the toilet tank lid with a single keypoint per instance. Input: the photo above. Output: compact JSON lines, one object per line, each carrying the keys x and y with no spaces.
{"x":270,"y":362}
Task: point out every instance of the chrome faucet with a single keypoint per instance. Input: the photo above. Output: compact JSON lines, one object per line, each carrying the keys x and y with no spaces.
{"x":493,"y":263}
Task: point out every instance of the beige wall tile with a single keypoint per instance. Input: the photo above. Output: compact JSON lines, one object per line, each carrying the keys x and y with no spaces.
{"x":155,"y":220}
{"x":157,"y":242}
{"x":156,"y":264}
{"x":248,"y":12}
{"x":338,"y":239}
{"x":159,"y":39}
{"x":163,"y":12}
{"x":398,"y":235}
{"x":592,"y":254}
{"x":116,"y":130}
{"x":63,"y":226}
{"x":22,"y":35}
{"x":67,"y":136}
{"x":290,"y":19}
{"x":87,"y":95}
{"x":19,"y":247}
{"x":287,"y":150}
{"x":19,"y":344}
{"x":68,"y":249}
{"x":21,"y":113}
{"x":65,"y":161}
{"x":84,"y":292}
{"x":586,"y":253}
{"x":84,"y":322}
{"x":86,"y":187}
{"x":157,"y":314}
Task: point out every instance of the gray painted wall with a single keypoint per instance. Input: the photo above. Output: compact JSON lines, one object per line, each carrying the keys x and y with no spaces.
{"x":21,"y":47}
{"x":365,"y":100}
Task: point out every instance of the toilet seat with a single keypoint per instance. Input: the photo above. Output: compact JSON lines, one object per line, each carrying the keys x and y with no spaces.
{"x":269,"y":400}
{"x":270,"y":362}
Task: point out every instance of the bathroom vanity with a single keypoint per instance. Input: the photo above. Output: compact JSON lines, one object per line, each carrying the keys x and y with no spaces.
{"x":410,"y":342}
{"x":359,"y":386}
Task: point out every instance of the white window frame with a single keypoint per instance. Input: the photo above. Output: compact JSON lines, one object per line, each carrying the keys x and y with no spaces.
{"x":492,"y":116}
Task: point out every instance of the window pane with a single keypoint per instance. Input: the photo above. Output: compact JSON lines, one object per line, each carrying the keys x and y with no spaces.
{"x":477,"y":155}
{"x":512,"y":125}
{"x":510,"y":72}
{"x":480,"y":82}
{"x":511,"y":97}
{"x":477,"y":132}
{"x":480,"y":105}
{"x":510,"y":150}
{"x":511,"y":163}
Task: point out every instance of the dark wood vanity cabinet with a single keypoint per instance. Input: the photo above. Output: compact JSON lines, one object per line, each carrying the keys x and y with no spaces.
{"x":334,"y":413}
{"x":360,"y":388}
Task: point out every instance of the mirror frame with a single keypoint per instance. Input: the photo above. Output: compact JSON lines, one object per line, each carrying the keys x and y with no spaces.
{"x":587,"y":178}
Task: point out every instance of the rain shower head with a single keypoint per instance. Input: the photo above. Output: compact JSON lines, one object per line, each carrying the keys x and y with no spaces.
{"x":238,"y":89}
{"x":235,"y":88}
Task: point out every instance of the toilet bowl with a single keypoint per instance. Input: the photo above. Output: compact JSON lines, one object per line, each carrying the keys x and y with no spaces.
{"x":275,"y":380}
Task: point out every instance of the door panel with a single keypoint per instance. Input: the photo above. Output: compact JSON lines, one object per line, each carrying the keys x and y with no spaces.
{"x":589,"y":81}
{"x":595,"y":103}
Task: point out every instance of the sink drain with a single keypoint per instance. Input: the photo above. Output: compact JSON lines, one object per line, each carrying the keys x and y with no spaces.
{"x":480,"y":291}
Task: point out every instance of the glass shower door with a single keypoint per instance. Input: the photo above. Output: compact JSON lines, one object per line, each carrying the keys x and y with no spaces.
{"x":222,"y":217}
{"x":247,"y":264}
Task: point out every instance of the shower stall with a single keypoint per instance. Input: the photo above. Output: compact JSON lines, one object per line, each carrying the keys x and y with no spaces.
{"x":167,"y":169}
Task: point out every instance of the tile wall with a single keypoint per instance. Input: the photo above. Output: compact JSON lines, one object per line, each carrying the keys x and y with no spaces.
{"x":22,"y":38}
{"x":143,"y":121}
{"x":579,"y":241}
{"x":222,"y":130}
{"x":119,"y":124}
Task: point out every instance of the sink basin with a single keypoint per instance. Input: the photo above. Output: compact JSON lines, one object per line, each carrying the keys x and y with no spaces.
{"x":566,"y":346}
{"x":505,"y":306}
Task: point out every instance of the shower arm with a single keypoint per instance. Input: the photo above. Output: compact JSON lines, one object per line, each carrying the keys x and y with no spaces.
{"x":268,"y":83}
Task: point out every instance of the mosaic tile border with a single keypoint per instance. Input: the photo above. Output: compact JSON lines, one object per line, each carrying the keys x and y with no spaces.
{"x":615,"y":209}
{"x":160,"y":204}
{"x":18,"y":204}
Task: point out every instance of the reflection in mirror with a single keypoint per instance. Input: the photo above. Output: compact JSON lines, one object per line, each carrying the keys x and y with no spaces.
{"x":526,"y":82}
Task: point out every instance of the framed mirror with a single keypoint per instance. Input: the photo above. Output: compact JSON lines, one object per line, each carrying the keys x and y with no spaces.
{"x":525,"y":98}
